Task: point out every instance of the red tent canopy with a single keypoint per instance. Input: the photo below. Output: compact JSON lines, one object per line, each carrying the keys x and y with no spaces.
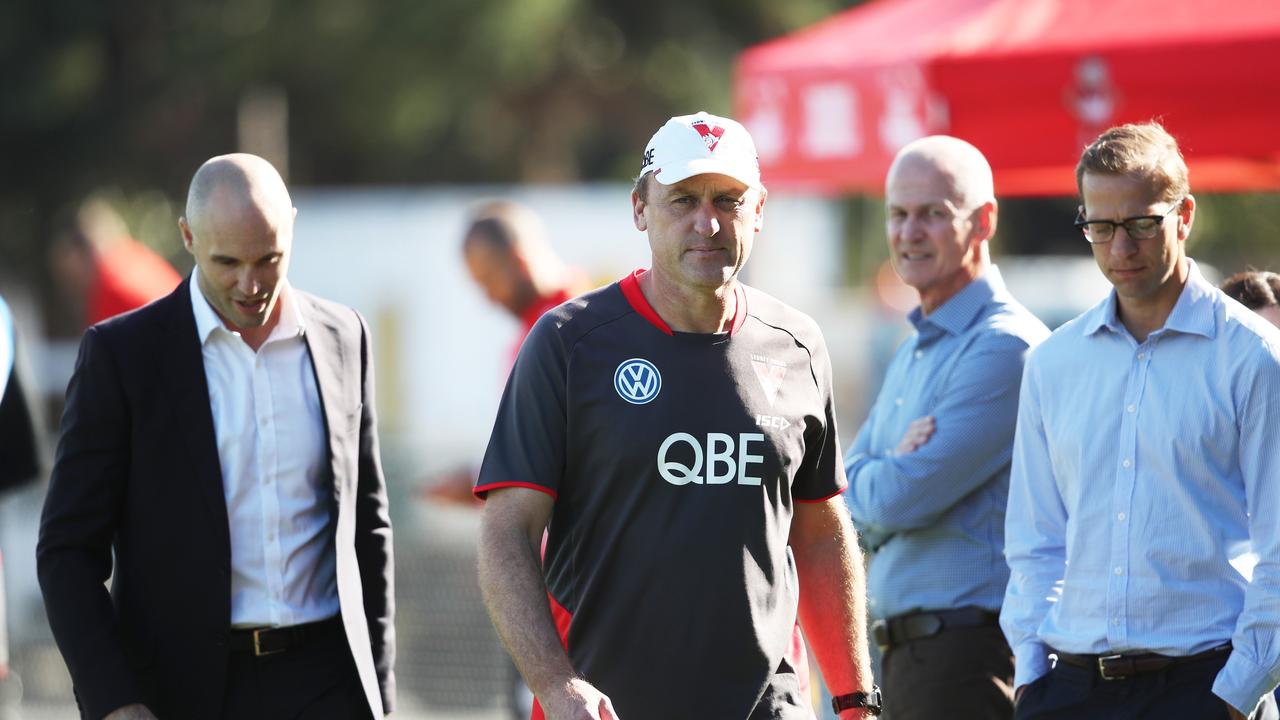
{"x":1030,"y":82}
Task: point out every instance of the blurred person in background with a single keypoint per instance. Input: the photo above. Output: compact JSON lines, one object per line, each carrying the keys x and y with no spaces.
{"x":929,"y":471}
{"x":508,"y":256}
{"x":1257,"y":290}
{"x":674,"y":434}
{"x":1141,"y":533}
{"x":104,"y":269}
{"x":20,"y":449}
{"x":223,"y":443}
{"x":507,"y":253}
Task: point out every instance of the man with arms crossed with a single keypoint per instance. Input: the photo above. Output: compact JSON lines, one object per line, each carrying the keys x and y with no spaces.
{"x":675,"y":434}
{"x":1141,"y":530}
{"x":222,"y":442}
{"x":929,"y":471}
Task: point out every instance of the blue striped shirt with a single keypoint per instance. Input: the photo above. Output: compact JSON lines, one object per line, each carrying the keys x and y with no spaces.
{"x":1144,"y":505}
{"x":935,"y":517}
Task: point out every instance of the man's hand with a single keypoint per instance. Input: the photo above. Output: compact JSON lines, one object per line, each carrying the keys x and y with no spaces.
{"x":578,"y":700}
{"x":918,"y":433}
{"x":131,"y":712}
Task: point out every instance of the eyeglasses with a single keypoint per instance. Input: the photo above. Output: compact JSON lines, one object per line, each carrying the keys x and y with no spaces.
{"x":1143,"y":227}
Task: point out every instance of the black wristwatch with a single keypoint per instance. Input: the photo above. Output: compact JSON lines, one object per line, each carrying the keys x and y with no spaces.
{"x":867,"y":701}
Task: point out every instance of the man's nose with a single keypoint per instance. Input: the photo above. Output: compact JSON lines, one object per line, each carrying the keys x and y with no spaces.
{"x":907,"y":228}
{"x":248,"y":283}
{"x":706,"y":223}
{"x":1122,"y":243}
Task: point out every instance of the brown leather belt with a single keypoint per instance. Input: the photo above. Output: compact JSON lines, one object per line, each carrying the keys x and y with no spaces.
{"x":1120,"y":667}
{"x":269,"y":640}
{"x":901,"y":629}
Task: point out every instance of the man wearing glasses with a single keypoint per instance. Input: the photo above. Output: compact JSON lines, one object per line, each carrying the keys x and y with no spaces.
{"x":1141,"y":532}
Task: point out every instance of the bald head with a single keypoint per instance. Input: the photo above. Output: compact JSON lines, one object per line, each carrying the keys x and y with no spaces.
{"x":961,"y":166}
{"x":238,"y":187}
{"x":239,"y":228}
{"x":940,"y":210}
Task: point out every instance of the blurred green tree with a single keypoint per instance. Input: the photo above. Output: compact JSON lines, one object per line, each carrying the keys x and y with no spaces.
{"x":130,"y":96}
{"x":133,"y":95}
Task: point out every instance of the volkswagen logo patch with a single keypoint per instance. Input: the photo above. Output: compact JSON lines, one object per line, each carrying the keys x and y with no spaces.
{"x":637,"y":381}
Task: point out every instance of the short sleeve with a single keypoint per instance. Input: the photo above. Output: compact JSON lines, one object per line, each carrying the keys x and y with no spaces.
{"x":527,"y":446}
{"x":821,"y":474}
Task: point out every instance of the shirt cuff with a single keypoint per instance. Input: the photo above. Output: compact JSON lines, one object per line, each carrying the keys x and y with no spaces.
{"x":1242,"y":682}
{"x":1031,"y":661}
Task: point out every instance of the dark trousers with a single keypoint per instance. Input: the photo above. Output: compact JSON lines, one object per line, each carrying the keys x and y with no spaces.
{"x":960,"y":673}
{"x":317,"y":681}
{"x":1181,"y":691}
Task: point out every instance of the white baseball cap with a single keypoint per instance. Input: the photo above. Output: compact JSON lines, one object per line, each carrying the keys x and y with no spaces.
{"x":698,"y":144}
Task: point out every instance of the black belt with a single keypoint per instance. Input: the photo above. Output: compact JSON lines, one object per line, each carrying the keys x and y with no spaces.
{"x":1120,"y":667}
{"x":269,"y":640}
{"x":901,"y":629}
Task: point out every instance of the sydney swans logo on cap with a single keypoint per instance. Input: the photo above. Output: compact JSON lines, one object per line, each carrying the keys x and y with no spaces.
{"x":711,"y":134}
{"x":637,"y":381}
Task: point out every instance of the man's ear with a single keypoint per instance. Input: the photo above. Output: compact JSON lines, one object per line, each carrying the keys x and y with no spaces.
{"x":759,"y":221}
{"x":985,"y":220}
{"x":637,"y":212}
{"x":187,"y":237}
{"x":1186,"y":216}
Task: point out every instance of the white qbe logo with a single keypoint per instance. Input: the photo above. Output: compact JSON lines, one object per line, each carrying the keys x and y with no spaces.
{"x":637,"y":381}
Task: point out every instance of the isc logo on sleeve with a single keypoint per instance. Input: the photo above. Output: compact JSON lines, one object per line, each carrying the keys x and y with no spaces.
{"x":724,"y":461}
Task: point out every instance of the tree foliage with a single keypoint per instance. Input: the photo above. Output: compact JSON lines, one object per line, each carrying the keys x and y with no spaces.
{"x":133,"y":95}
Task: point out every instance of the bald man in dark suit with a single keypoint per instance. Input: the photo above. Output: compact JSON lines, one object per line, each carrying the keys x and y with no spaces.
{"x":222,"y":441}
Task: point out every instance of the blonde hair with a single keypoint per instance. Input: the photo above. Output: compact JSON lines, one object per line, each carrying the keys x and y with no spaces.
{"x":1143,"y":149}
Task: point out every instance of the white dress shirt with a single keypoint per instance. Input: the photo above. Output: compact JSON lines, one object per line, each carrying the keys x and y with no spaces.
{"x":275,"y":469}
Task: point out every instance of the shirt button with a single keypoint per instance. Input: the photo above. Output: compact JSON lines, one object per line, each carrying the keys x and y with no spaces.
{"x":919,"y":354}
{"x":1127,"y":463}
{"x":1120,"y":517}
{"x":898,"y":402}
{"x":1115,"y":621}
{"x":1142,"y":356}
{"x":1119,"y":570}
{"x":1132,"y":408}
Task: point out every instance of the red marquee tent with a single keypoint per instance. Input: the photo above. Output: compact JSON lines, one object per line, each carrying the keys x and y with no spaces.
{"x":1030,"y":82}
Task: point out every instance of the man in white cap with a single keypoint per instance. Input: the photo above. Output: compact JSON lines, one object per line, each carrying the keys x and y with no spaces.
{"x":675,"y":435}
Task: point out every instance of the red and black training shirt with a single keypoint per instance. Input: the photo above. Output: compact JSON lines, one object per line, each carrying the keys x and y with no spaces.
{"x":675,"y":460}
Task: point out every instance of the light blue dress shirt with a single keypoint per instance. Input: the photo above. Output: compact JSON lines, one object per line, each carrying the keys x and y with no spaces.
{"x":935,"y":517}
{"x":1144,"y":505}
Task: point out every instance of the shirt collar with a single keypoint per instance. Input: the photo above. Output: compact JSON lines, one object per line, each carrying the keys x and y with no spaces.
{"x":960,"y":310}
{"x":1192,"y":314}
{"x":207,"y":321}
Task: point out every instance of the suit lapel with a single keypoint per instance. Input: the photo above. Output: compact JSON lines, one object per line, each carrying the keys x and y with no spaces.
{"x":188,"y":390}
{"x":333,"y":366}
